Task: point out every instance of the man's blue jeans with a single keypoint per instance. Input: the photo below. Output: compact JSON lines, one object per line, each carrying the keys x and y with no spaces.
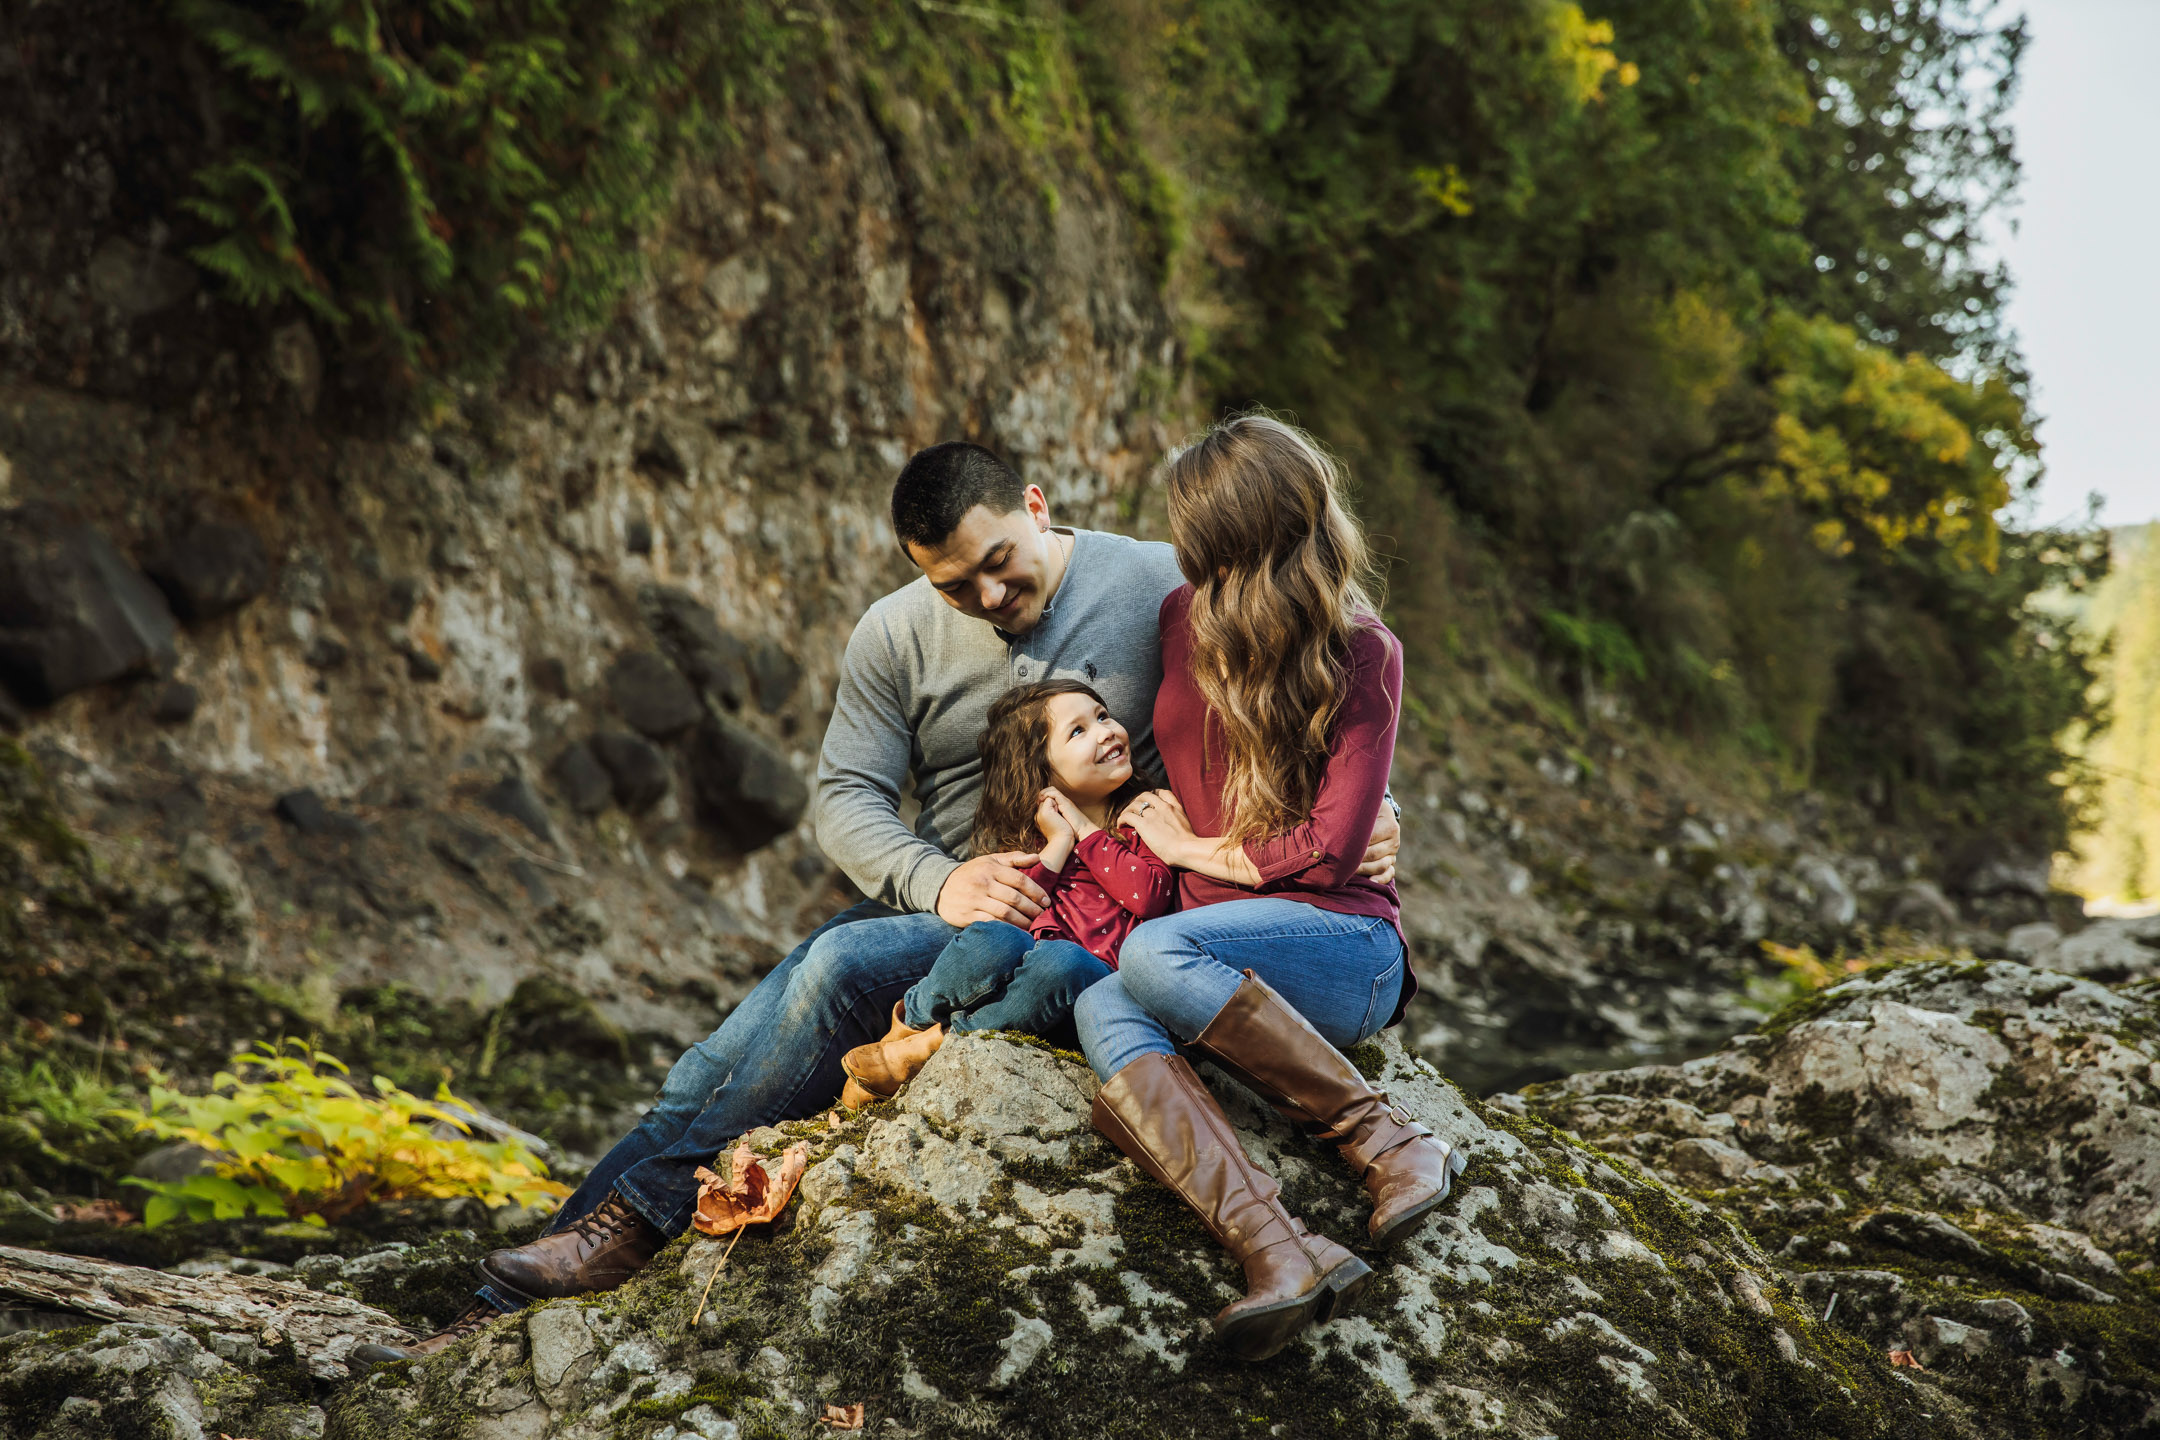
{"x":1341,"y":972}
{"x":995,"y":976}
{"x":775,"y":1057}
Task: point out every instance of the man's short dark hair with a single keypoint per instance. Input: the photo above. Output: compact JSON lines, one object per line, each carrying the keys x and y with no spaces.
{"x":941,"y":484}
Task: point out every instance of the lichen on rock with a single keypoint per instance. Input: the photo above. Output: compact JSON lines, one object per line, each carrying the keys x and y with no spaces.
{"x":972,"y":1258}
{"x":1958,"y":1160}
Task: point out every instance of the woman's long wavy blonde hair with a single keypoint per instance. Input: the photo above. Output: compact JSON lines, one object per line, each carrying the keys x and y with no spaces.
{"x":1281,"y":578}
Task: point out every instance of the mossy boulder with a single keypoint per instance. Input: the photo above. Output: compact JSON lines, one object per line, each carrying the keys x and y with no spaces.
{"x":1956,"y":1161}
{"x":974,"y":1258}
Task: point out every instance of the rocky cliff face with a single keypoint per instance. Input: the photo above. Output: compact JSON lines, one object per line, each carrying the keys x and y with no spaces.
{"x":527,"y":690}
{"x":532,"y":686}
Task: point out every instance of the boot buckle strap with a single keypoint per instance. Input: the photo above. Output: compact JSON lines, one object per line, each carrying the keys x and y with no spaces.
{"x":1362,"y":1151}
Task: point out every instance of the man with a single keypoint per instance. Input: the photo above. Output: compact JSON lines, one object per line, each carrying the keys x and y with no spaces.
{"x":1004,"y":598}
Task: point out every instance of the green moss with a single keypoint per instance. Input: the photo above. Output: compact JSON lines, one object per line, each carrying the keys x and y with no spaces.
{"x":1370,"y":1059}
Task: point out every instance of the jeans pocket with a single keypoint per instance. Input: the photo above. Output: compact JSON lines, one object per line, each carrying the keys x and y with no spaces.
{"x":1385,"y":987}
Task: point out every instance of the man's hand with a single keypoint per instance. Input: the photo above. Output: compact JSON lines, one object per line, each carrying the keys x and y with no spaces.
{"x":991,"y":887}
{"x":1379,"y":863}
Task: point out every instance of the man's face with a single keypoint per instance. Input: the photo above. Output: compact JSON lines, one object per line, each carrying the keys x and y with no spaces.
{"x":998,"y":568}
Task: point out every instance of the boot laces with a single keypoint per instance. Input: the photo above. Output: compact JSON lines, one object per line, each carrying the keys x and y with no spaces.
{"x":478,"y":1314}
{"x":603,"y":1224}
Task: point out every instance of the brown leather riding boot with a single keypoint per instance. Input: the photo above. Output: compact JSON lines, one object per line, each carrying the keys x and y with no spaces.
{"x":599,"y":1252}
{"x":882,"y":1067}
{"x":1157,"y":1111}
{"x":1271,"y":1048}
{"x":480,"y":1314}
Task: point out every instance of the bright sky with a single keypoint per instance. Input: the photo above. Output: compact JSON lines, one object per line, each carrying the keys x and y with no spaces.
{"x":2086,"y":255}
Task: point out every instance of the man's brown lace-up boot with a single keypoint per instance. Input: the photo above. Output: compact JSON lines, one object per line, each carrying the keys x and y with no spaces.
{"x":599,"y":1252}
{"x":471,"y":1322}
{"x":1274,"y":1051}
{"x":1157,"y":1111}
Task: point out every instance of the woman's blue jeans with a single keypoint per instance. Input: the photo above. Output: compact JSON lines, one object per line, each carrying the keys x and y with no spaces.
{"x":995,"y":976}
{"x":1341,"y":972}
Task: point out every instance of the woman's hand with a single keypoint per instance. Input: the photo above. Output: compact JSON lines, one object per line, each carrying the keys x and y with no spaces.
{"x":1157,"y":818}
{"x":1162,"y":823}
{"x":1379,"y":863}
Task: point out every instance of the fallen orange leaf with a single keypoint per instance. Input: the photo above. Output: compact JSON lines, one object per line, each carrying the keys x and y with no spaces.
{"x":1905,"y":1358}
{"x":100,"y":1212}
{"x":842,"y":1417}
{"x":751,"y":1194}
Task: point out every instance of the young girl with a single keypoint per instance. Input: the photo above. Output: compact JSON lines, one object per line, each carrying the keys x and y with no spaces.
{"x":1055,"y":764}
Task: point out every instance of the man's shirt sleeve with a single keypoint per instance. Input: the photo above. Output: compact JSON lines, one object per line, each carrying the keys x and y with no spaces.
{"x":864,"y":762}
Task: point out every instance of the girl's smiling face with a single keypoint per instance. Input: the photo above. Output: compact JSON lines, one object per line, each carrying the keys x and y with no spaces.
{"x":1090,"y":753}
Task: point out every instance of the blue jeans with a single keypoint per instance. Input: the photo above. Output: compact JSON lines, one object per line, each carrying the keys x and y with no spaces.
{"x":775,"y":1057}
{"x":995,"y":976}
{"x":1175,"y":974}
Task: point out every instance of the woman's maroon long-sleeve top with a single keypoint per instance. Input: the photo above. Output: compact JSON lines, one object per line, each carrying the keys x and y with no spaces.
{"x":1317,"y":861}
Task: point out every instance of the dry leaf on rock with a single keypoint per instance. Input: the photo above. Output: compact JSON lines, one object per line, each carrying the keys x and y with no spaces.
{"x":95,"y":1212}
{"x":842,"y":1417}
{"x":1904,"y":1359}
{"x":751,"y":1194}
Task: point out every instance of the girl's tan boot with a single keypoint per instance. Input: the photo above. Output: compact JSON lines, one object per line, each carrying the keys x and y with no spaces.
{"x":877,"y":1071}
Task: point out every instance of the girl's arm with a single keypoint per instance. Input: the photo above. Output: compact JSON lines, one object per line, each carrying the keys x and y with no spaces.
{"x":1130,"y":872}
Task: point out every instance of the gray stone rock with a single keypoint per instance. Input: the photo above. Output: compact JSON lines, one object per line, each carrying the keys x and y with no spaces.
{"x":138,"y":281}
{"x":581,"y":780}
{"x":217,"y":876}
{"x":777,"y":672}
{"x":562,"y":1350}
{"x":73,"y":613}
{"x":176,"y":703}
{"x":746,"y":790}
{"x":713,"y":660}
{"x":639,"y":775}
{"x":210,"y":569}
{"x":174,"y":1161}
{"x":514,"y":797}
{"x":1922,"y":908}
{"x":2027,"y":943}
{"x":1833,"y":902}
{"x":652,"y":696}
{"x":1710,"y":1163}
{"x":2107,"y":949}
{"x":305,"y":811}
{"x":1928,"y":1114}
{"x":1997,"y":869}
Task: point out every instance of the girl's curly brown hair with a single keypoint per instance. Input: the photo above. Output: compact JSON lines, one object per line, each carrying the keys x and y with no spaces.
{"x":1015,"y":750}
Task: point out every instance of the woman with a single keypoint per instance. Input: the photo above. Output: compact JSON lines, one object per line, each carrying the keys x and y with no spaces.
{"x":1276,"y":721}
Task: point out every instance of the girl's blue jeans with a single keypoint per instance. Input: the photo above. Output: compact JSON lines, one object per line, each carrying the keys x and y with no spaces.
{"x":1341,"y":972}
{"x":995,"y":976}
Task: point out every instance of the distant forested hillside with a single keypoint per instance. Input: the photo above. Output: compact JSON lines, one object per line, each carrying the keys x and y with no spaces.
{"x":1658,"y":331}
{"x":2119,"y":859}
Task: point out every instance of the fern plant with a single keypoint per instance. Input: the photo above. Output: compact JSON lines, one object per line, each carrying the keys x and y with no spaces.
{"x":453,"y":173}
{"x":291,"y":1136}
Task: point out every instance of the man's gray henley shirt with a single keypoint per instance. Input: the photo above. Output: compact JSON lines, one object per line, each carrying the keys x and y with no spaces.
{"x":918,"y":682}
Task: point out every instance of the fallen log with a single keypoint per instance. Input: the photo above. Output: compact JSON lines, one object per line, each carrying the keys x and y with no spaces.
{"x":321,"y":1327}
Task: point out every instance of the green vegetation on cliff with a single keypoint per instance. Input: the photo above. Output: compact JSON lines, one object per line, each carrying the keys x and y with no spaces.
{"x":1657,"y":332}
